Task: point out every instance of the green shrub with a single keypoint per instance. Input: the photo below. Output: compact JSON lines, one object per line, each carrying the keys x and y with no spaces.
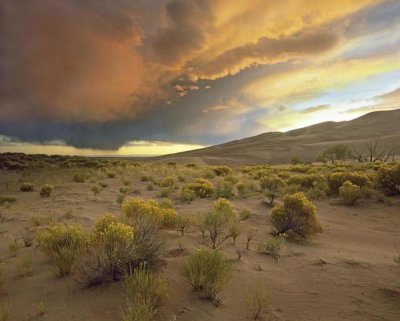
{"x":146,"y":178}
{"x":244,"y":214}
{"x":27,"y":187}
{"x":318,"y":191}
{"x":7,"y":199}
{"x":224,"y":190}
{"x":208,"y":173}
{"x":218,"y":222}
{"x":103,"y":185}
{"x":201,"y":187}
{"x":257,"y":300}
{"x":116,"y":249}
{"x":120,"y":199}
{"x":28,"y":238}
{"x":65,"y":261}
{"x":272,"y":247}
{"x":187,"y":195}
{"x":222,"y":170}
{"x":46,"y":190}
{"x":13,"y":248}
{"x":111,"y":175}
{"x":336,"y":179}
{"x":208,"y":272}
{"x":166,"y":203}
{"x":140,"y":312}
{"x":168,"y":182}
{"x":191,"y":165}
{"x":297,"y":214}
{"x":231,"y":179}
{"x":182,"y":223}
{"x":296,"y":161}
{"x":350,"y":193}
{"x":306,"y":181}
{"x":388,"y":180}
{"x":244,"y":189}
{"x":96,"y":190}
{"x":79,"y":178}
{"x":234,"y":231}
{"x":24,"y":267}
{"x":167,"y":192}
{"x":146,"y":292}
{"x":5,"y":311}
{"x":300,"y":168}
{"x":272,"y":186}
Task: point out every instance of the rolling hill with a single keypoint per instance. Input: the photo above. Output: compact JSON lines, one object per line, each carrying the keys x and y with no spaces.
{"x":306,"y":143}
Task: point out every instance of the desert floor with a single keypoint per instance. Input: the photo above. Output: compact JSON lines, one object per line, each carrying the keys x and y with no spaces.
{"x":345,"y":273}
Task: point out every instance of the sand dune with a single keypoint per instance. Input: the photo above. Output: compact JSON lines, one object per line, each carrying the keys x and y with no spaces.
{"x":306,"y":143}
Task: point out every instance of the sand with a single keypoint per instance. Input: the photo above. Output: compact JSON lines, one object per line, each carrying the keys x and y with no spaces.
{"x":345,"y":273}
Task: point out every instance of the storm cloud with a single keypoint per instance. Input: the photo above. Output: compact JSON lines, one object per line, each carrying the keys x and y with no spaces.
{"x":99,"y":74}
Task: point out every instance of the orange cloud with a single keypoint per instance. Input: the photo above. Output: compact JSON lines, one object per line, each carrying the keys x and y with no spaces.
{"x":64,"y":63}
{"x":268,"y":50}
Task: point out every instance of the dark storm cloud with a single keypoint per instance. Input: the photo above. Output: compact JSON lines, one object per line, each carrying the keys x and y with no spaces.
{"x":100,"y":73}
{"x":74,"y":60}
{"x":186,"y":30}
{"x":173,"y":122}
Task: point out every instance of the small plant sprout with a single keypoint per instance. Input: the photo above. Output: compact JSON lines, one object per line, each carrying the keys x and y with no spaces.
{"x":249,"y":238}
{"x":13,"y":248}
{"x":208,"y":271}
{"x":181,"y":244}
{"x":272,"y":247}
{"x":5,"y":311}
{"x":96,"y":190}
{"x":239,"y":254}
{"x":24,"y":267}
{"x":244,"y":215}
{"x":256,"y":301}
{"x":46,"y":190}
{"x":235,"y":232}
{"x":40,"y":309}
{"x":28,"y":238}
{"x":182,"y":222}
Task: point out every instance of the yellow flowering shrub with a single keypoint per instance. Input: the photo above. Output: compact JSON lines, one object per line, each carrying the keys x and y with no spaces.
{"x":201,"y":187}
{"x":297,"y":214}
{"x":112,"y":233}
{"x":225,"y":208}
{"x":104,"y":222}
{"x":350,"y":192}
{"x":59,"y":236}
{"x":64,"y":243}
{"x":136,"y":208}
{"x":168,"y":182}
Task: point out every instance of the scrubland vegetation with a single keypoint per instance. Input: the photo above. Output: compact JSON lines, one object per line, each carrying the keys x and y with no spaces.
{"x":121,"y":223}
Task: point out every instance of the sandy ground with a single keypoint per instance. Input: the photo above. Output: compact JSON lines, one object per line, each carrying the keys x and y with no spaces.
{"x":350,"y":283}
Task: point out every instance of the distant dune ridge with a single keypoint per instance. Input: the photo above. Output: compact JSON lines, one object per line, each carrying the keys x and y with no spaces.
{"x":306,"y":143}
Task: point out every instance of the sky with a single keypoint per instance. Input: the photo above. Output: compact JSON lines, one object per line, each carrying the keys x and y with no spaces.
{"x":151,"y":77}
